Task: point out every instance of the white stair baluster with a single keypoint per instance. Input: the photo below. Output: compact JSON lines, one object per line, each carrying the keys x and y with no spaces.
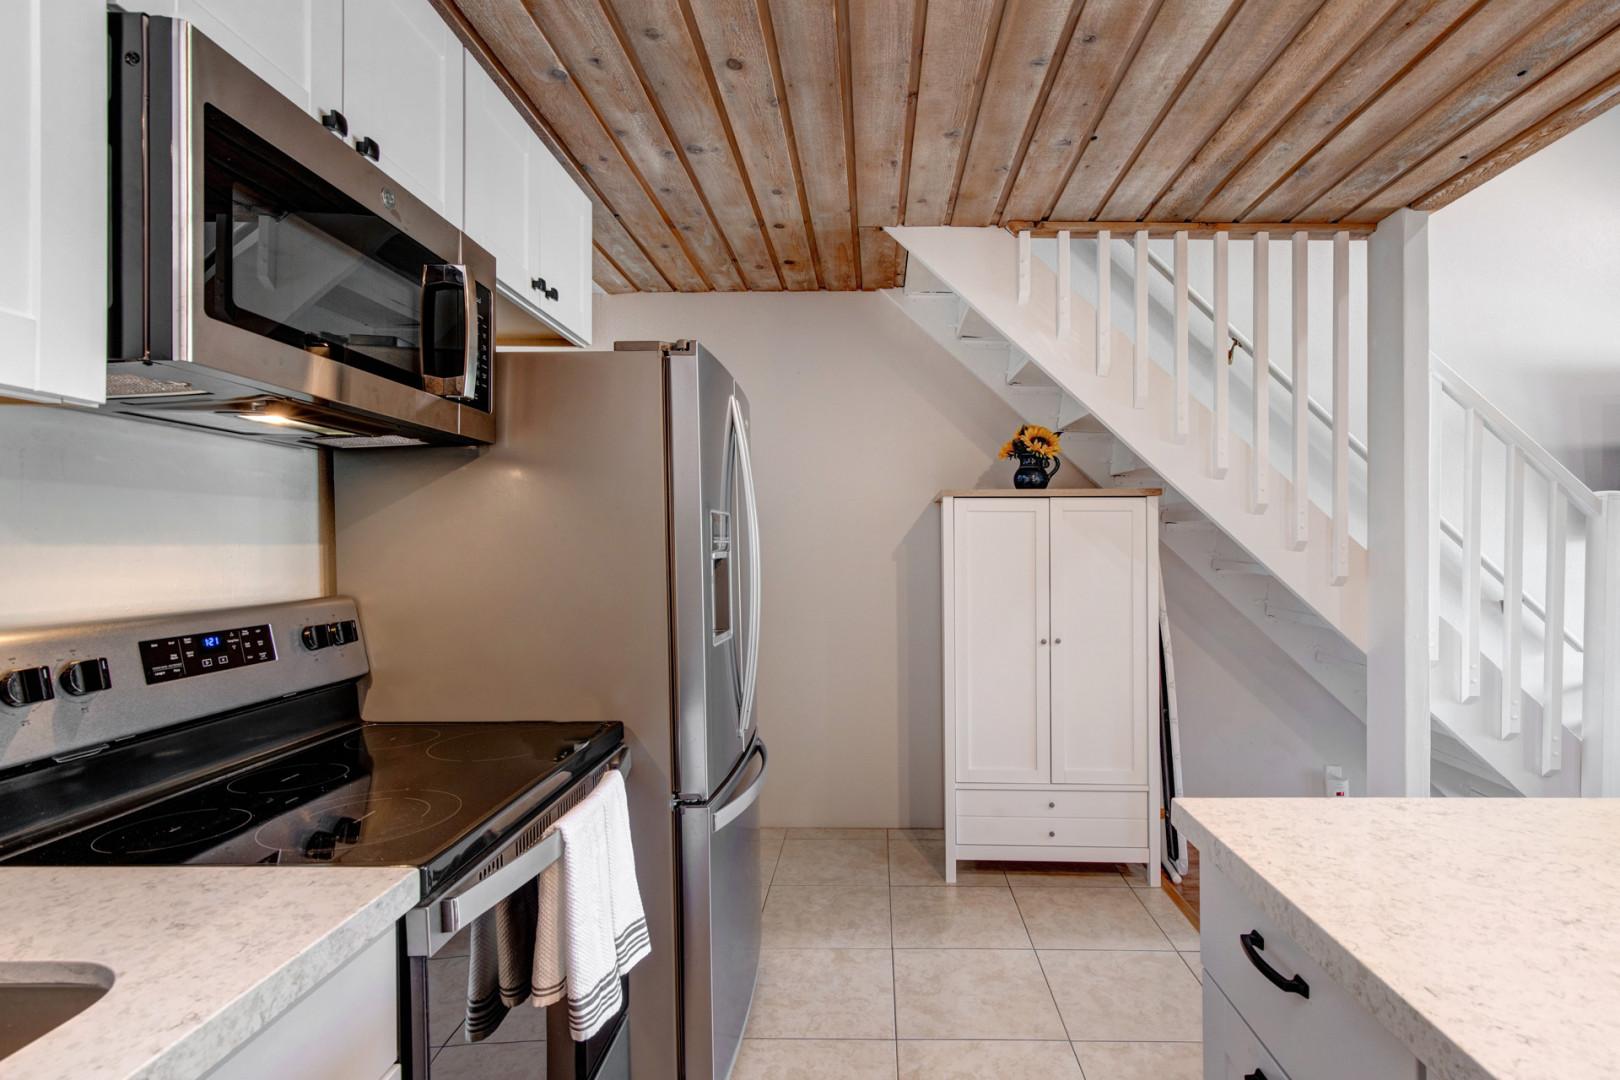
{"x":1473,"y":526}
{"x":1065,"y":296}
{"x":1023,"y":268}
{"x":1509,"y":720}
{"x":1105,"y":326}
{"x":1339,"y":571}
{"x":1221,"y":345}
{"x":1299,"y":517}
{"x":1183,"y":418}
{"x":1260,"y":459}
{"x":1552,"y":704}
{"x":1140,"y":361}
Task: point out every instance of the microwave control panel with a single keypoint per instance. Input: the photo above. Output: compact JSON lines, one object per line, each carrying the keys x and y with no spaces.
{"x":168,"y":659}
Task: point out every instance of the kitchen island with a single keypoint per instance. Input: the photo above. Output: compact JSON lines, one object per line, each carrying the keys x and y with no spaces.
{"x":201,"y":959}
{"x":1470,"y":938}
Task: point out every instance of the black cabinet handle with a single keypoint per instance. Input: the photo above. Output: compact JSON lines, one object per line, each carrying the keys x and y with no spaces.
{"x":538,"y":284}
{"x":335,"y":122}
{"x":367,"y":147}
{"x":551,"y":294}
{"x":1252,"y":943}
{"x":1256,"y":1075}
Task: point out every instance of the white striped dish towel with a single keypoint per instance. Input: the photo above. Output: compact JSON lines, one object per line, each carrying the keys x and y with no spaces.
{"x":591,"y":929}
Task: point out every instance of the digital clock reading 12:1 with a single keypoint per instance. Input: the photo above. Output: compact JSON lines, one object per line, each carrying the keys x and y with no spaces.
{"x":211,"y":641}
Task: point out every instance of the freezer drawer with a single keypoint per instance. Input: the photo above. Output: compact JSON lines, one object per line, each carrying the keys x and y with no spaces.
{"x":720,"y":915}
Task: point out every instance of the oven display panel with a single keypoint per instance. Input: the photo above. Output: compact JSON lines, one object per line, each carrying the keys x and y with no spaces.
{"x":167,"y":659}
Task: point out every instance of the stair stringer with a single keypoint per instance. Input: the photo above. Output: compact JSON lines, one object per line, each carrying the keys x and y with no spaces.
{"x":980,"y":266}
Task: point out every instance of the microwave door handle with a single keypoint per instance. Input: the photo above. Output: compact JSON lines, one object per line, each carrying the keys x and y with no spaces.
{"x":436,"y":278}
{"x":745,"y":460}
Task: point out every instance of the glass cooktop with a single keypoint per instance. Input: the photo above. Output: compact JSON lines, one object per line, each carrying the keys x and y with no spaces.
{"x":435,"y":797}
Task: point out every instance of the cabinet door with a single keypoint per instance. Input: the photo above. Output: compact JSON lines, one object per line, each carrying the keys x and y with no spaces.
{"x":53,"y":201}
{"x":565,"y":246}
{"x":1099,"y":641}
{"x":1000,"y":656}
{"x":402,"y":89}
{"x":294,"y":45}
{"x":502,"y":153}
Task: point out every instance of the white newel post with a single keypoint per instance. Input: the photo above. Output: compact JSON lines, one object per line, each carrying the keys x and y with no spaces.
{"x":1398,"y":388}
{"x":1600,"y":676}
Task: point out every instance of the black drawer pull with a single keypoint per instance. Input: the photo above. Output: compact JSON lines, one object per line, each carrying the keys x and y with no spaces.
{"x":1256,"y":1075}
{"x":1252,"y":943}
{"x":366,"y":146}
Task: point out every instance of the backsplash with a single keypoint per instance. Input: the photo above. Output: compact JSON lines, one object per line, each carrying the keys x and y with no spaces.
{"x":106,"y":517}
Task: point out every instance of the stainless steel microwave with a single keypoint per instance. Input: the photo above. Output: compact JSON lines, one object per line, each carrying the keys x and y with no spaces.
{"x":268,"y":279}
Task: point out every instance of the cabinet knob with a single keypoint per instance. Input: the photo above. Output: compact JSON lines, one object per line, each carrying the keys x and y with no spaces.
{"x":1051,"y":806}
{"x":366,"y":146}
{"x":1051,"y":834}
{"x":1043,"y":641}
{"x":1057,"y":641}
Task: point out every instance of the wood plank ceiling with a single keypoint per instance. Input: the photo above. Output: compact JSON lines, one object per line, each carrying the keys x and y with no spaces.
{"x":763,"y":144}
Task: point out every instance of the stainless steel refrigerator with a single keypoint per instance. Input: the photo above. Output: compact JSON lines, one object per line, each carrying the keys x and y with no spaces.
{"x":599,"y":562}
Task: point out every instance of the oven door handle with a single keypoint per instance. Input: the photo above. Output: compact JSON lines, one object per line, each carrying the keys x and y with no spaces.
{"x":464,"y":907}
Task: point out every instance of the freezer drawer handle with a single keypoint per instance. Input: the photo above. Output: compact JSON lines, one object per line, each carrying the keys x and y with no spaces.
{"x":1252,"y":943}
{"x":739,"y":806}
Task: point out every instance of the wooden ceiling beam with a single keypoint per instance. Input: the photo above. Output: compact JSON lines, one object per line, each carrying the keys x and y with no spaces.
{"x":1581,"y":76}
{"x":735,"y":51}
{"x":1100,"y":51}
{"x":1588,"y":106}
{"x":1399,"y":40}
{"x":811,"y":55}
{"x":1541,"y":50}
{"x":885,"y":39}
{"x":507,"y":32}
{"x":1181,"y":34}
{"x":1196,"y":229}
{"x":1033,"y":33}
{"x":958,"y":42}
{"x":585,"y":37}
{"x":665,"y":51}
{"x":1309,"y":60}
{"x":1452,"y":63}
{"x":1245,"y":50}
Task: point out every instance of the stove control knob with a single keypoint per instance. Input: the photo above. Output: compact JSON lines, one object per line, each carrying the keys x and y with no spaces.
{"x":317,"y":637}
{"x":86,"y":676}
{"x":320,"y":845}
{"x":25,"y":686}
{"x":346,"y":830}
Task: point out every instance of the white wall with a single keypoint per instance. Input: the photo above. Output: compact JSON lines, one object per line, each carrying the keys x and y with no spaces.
{"x":859,"y":420}
{"x":1252,"y":721}
{"x":1524,"y":271}
{"x":102,"y":516}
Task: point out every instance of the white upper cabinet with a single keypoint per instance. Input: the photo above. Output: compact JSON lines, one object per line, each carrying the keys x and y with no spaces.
{"x":565,"y":248}
{"x":1100,"y":641}
{"x":402,"y":96}
{"x":53,"y":201}
{"x":503,"y":154}
{"x":294,"y":45}
{"x":1001,"y":597}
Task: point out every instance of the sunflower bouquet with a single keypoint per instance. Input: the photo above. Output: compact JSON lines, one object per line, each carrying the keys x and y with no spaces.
{"x":1032,"y":439}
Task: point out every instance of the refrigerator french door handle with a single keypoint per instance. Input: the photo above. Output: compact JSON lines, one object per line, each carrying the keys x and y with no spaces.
{"x":745,"y":459}
{"x":735,"y":809}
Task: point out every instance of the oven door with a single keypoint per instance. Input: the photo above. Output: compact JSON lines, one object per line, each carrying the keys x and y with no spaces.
{"x":275,"y":258}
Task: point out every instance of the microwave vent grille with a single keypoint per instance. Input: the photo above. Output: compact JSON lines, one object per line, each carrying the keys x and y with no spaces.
{"x":127,"y":385}
{"x":364,"y":442}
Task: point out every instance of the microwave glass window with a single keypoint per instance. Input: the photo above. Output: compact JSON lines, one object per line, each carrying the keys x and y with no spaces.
{"x":289,"y":256}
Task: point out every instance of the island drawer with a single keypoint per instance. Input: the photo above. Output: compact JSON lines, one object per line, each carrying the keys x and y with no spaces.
{"x":1053,"y":832}
{"x":1022,"y":802}
{"x":1231,"y":1050}
{"x":1322,"y":1033}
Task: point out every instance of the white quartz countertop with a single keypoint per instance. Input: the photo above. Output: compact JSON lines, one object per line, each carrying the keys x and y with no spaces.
{"x":1484,"y":933}
{"x":202,"y":958}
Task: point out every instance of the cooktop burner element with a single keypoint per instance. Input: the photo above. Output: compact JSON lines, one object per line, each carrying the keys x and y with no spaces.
{"x":392,"y":737}
{"x":276,"y":780}
{"x":474,"y":747}
{"x":358,"y":820}
{"x":166,"y":832}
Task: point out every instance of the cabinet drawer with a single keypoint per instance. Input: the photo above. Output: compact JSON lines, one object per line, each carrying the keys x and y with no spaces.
{"x":1053,"y":832}
{"x":1231,"y":1050}
{"x":1043,"y":804}
{"x":1325,"y":1036}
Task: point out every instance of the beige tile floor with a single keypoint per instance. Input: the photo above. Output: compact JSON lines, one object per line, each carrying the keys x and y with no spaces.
{"x":874,"y":969}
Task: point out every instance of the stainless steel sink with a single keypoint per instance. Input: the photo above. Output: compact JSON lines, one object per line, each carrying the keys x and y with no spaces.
{"x":39,"y":998}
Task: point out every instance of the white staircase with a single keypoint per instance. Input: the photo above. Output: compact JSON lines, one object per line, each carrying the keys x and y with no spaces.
{"x":1162,"y":416}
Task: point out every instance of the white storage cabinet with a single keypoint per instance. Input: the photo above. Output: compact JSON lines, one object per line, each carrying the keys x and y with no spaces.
{"x":1051,"y":685}
{"x":53,"y":202}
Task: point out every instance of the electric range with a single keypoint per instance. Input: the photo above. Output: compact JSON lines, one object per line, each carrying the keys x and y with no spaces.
{"x":237,"y":738}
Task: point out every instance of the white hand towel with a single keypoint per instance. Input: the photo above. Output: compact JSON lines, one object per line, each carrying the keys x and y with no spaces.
{"x":592,"y":929}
